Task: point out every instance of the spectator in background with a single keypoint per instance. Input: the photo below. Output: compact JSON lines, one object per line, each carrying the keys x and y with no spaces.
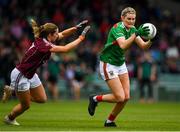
{"x":53,"y":75}
{"x":78,"y":80}
{"x":172,"y":56}
{"x":146,"y":76}
{"x":69,"y":76}
{"x":8,"y":58}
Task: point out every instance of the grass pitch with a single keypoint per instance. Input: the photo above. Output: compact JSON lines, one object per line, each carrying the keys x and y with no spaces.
{"x":73,"y":116}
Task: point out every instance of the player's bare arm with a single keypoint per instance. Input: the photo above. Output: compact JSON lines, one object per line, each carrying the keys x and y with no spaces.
{"x":71,"y":30}
{"x":71,"y":45}
{"x":67,"y":32}
{"x":126,"y":43}
{"x":143,"y":44}
{"x":67,"y":47}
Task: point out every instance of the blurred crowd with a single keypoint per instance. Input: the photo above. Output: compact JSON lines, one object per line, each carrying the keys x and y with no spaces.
{"x":16,"y":36}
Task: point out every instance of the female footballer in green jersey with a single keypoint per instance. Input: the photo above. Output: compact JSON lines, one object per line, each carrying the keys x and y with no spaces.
{"x":112,"y":63}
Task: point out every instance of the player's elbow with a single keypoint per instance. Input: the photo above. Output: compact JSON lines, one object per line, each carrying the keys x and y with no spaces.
{"x":124,"y":44}
{"x":120,"y":97}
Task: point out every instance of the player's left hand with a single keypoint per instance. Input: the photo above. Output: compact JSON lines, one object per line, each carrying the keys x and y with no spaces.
{"x":81,"y":24}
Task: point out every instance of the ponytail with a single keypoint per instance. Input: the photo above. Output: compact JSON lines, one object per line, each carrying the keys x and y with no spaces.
{"x":43,"y":30}
{"x":36,"y":29}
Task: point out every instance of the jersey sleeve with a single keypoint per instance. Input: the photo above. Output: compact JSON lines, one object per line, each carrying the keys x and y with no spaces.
{"x":43,"y":45}
{"x":46,"y":47}
{"x":117,"y":33}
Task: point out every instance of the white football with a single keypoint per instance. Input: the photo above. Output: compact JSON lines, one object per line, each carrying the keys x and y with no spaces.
{"x":152,"y":32}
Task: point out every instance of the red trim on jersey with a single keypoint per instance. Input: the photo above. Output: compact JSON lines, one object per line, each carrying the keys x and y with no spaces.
{"x":105,"y":72}
{"x":115,"y":25}
{"x":115,"y":42}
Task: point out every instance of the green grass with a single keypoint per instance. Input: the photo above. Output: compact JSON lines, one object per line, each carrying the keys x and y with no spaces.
{"x":73,"y":116}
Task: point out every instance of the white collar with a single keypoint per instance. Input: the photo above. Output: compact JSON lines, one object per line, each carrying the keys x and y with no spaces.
{"x":46,"y":41}
{"x":125,"y":27}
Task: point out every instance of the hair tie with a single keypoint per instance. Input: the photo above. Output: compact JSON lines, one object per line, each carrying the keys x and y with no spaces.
{"x":41,"y":28}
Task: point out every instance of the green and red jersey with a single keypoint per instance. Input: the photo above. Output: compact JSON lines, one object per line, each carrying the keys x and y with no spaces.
{"x":112,"y":53}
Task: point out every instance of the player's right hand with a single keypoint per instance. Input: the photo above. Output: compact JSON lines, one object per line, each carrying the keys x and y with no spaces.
{"x":142,"y":31}
{"x":86,"y":29}
{"x":81,"y":24}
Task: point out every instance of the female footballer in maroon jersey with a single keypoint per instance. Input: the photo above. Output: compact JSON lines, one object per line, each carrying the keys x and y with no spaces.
{"x":24,"y":79}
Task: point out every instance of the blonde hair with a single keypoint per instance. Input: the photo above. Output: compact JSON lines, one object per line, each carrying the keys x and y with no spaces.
{"x":128,"y":10}
{"x":43,"y":30}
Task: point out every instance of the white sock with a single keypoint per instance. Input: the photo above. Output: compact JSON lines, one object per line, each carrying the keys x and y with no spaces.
{"x":94,"y":98}
{"x":108,"y":121}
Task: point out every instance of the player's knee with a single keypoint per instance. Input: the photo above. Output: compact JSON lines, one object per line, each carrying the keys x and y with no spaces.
{"x":120,"y":98}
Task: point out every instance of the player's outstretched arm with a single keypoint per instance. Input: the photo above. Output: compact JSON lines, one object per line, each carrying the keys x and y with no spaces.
{"x":72,"y":44}
{"x":71,"y":30}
